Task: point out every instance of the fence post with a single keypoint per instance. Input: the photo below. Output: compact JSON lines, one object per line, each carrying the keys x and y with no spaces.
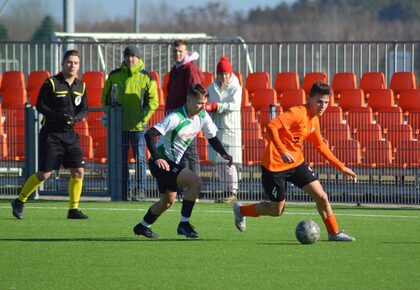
{"x":114,"y":116}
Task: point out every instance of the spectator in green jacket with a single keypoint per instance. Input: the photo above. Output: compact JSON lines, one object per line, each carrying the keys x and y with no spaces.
{"x":134,"y":89}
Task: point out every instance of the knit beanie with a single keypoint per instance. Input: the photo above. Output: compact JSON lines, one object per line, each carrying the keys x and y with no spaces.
{"x":224,"y":65}
{"x":131,"y":50}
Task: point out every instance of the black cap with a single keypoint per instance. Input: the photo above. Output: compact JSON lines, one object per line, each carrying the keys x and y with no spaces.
{"x":131,"y":50}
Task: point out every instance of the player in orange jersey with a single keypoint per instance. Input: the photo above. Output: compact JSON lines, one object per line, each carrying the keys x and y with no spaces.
{"x":283,"y":161}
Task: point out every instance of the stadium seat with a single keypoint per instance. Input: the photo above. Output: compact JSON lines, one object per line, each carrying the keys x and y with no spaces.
{"x":161,"y":97}
{"x":360,"y":116}
{"x":35,"y":81}
{"x":256,"y":81}
{"x":202,"y":150}
{"x":293,"y":98}
{"x":14,"y":97}
{"x":262,"y":102}
{"x":3,"y":146}
{"x":155,"y":76}
{"x":240,"y":78}
{"x":367,"y":133}
{"x":332,"y":115}
{"x":165,"y":84}
{"x":158,"y":115}
{"x":82,"y":127}
{"x":251,"y":131}
{"x":252,"y":151}
{"x":378,"y":154}
{"x":408,"y":154}
{"x":402,"y":81}
{"x":337,"y":132}
{"x":399,"y":134}
{"x":1,"y":78}
{"x":286,"y":81}
{"x":208,"y":79}
{"x":312,"y":157}
{"x":100,"y":149}
{"x":389,"y":117}
{"x":86,"y":143}
{"x":245,"y":98}
{"x":413,"y":118}
{"x":248,"y":115}
{"x":379,"y":99}
{"x":95,"y":81}
{"x":351,"y":99}
{"x":371,"y":81}
{"x":409,"y":100}
{"x":16,"y":147}
{"x":12,"y":79}
{"x":310,"y":78}
{"x":348,"y":151}
{"x":343,"y":81}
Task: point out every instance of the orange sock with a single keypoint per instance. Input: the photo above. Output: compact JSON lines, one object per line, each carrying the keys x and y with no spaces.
{"x":249,"y":210}
{"x":331,"y":225}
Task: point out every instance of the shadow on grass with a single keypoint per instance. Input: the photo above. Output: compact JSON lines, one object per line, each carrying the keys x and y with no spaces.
{"x":116,"y":239}
{"x":279,"y":243}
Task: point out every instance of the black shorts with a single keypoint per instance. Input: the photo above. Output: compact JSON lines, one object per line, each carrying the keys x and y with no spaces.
{"x":59,"y":148}
{"x":275,"y":183}
{"x":166,"y":180}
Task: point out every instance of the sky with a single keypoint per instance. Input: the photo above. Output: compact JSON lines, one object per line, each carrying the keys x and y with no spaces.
{"x":97,"y":10}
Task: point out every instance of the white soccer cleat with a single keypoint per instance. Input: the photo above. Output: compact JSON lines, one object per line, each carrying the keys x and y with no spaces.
{"x":240,"y":221}
{"x":341,"y":237}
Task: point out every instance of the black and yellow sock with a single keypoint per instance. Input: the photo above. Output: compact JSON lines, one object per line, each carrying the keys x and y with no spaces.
{"x":31,"y":184}
{"x":75,"y":191}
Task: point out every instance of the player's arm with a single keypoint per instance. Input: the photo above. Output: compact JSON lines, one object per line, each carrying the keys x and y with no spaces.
{"x":150,"y":137}
{"x":218,"y":147}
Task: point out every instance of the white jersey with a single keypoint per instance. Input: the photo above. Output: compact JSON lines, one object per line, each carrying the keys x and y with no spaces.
{"x":178,"y":131}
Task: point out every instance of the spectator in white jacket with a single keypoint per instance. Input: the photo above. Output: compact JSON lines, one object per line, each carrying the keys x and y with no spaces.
{"x":224,"y":105}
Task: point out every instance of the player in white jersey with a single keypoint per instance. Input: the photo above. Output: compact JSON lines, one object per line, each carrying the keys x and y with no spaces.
{"x":176,"y":132}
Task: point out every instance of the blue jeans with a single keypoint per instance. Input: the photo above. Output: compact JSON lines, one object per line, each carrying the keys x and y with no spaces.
{"x":135,"y":139}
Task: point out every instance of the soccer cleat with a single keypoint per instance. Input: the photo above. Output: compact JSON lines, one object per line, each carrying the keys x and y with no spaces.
{"x":240,"y":221}
{"x":140,"y":229}
{"x":17,"y":207}
{"x":76,"y":214}
{"x":341,"y":237}
{"x":187,"y":229}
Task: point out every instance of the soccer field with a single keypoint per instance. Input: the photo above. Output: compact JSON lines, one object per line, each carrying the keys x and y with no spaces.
{"x":47,"y":251}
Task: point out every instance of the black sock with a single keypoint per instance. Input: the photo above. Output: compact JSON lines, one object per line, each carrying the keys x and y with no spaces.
{"x":187,"y":207}
{"x":150,"y":218}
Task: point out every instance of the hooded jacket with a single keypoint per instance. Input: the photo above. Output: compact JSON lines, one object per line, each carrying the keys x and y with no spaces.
{"x":137,"y":95}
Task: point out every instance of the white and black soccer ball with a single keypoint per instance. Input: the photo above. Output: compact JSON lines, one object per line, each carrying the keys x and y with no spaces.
{"x":307,"y":232}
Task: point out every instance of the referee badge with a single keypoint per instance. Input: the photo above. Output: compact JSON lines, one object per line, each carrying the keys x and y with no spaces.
{"x":78,"y":100}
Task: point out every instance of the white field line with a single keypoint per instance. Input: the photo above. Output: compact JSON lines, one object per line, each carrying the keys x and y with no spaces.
{"x":222,"y":211}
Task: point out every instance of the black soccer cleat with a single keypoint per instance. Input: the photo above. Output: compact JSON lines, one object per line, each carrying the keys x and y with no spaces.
{"x":140,"y":229}
{"x":17,"y":207}
{"x":76,"y":214}
{"x":187,"y":229}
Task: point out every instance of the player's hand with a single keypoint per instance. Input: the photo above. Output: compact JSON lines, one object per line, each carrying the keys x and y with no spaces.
{"x":349,"y":174}
{"x":229,"y":159}
{"x":287,"y":157}
{"x":162,"y":164}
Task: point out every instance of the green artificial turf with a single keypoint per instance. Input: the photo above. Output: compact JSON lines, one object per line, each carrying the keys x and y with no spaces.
{"x":47,"y":251}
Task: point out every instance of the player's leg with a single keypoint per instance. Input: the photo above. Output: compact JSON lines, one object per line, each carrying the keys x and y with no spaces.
{"x":193,"y":183}
{"x":75,"y":191}
{"x":315,"y":190}
{"x":274,"y":184}
{"x":31,"y":184}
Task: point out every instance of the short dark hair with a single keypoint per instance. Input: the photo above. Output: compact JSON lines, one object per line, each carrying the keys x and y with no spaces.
{"x":70,"y":53}
{"x":197,"y":90}
{"x":320,"y":88}
{"x":179,"y":42}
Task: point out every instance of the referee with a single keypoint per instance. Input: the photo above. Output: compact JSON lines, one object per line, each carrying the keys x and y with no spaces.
{"x":63,"y":101}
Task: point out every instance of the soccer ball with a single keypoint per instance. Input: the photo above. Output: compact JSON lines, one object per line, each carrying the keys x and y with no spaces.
{"x":307,"y":232}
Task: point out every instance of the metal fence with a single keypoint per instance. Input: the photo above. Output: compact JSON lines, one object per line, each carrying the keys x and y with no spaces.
{"x":395,"y":181}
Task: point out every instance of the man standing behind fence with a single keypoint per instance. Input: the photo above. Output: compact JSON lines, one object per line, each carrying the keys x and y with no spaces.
{"x":135,"y":90}
{"x":63,"y":101}
{"x":182,"y":75}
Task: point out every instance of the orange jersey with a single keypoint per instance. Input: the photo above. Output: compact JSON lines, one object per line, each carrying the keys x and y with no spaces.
{"x":287,"y":132}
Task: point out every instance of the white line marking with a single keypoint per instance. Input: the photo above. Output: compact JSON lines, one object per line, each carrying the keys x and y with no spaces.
{"x":221,"y":211}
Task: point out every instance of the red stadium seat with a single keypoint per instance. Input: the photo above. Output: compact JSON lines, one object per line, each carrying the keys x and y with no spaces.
{"x":379,"y":99}
{"x":252,"y":151}
{"x":332,"y":115}
{"x":348,"y":152}
{"x":155,"y":76}
{"x":35,"y":81}
{"x":343,"y":81}
{"x":337,"y":132}
{"x":408,"y":154}
{"x":202,"y":150}
{"x":399,"y":134}
{"x":357,"y":117}
{"x":310,"y":78}
{"x":409,"y":100}
{"x":286,"y":81}
{"x":350,"y":99}
{"x":239,"y":76}
{"x":12,"y":79}
{"x":293,"y":98}
{"x":368,"y":133}
{"x":165,"y":84}
{"x":402,"y":81}
{"x":95,"y":81}
{"x":208,"y":79}
{"x":257,"y":81}
{"x":378,"y":154}
{"x":389,"y":117}
{"x":371,"y":81}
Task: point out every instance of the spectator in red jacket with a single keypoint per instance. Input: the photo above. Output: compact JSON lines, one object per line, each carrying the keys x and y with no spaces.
{"x":182,"y":75}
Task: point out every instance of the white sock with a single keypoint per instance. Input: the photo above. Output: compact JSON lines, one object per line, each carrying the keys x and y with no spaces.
{"x":184,"y":219}
{"x":145,"y":224}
